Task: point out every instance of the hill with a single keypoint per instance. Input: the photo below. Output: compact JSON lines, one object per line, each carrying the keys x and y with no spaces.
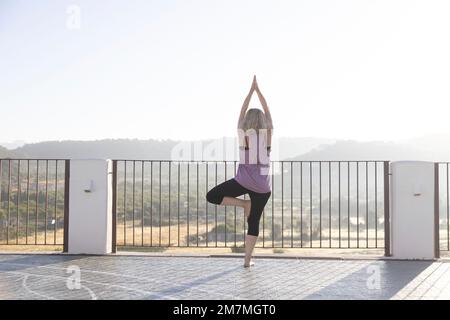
{"x":155,"y":149}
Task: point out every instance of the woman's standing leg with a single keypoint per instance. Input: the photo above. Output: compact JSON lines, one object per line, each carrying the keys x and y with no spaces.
{"x":258,"y":202}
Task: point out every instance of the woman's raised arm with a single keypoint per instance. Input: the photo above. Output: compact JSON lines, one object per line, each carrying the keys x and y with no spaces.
{"x":264,"y":106}
{"x":267,"y":113}
{"x":246,"y":103}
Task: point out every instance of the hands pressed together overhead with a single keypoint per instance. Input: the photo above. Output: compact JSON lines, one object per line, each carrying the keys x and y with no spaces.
{"x":255,"y":88}
{"x":254,"y":85}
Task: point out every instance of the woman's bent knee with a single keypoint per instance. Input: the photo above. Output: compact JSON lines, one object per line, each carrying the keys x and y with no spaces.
{"x":213,"y":197}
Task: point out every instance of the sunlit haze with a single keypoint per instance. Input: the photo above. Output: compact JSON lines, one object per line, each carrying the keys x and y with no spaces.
{"x":359,"y":70}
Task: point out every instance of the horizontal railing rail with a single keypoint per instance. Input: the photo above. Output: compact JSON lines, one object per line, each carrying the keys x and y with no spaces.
{"x":33,"y":201}
{"x":314,"y":204}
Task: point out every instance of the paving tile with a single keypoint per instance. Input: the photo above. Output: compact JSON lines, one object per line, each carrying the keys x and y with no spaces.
{"x":138,"y":277}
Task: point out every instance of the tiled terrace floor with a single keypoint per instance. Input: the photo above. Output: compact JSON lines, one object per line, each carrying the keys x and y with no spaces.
{"x":152,"y":277}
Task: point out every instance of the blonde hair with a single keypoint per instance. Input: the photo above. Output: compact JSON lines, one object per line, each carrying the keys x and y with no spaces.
{"x":254,"y":119}
{"x":254,"y":122}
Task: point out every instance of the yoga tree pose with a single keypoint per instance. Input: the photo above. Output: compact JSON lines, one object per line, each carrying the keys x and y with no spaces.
{"x":255,"y":136}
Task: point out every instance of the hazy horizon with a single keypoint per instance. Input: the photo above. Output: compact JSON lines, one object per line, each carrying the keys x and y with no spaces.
{"x":18,"y":143}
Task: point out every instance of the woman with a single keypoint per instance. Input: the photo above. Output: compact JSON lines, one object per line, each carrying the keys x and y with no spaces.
{"x":252,"y":177}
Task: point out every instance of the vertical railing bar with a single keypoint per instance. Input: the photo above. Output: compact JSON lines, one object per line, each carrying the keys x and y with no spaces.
{"x":310,"y":205}
{"x":187,"y":208}
{"x":170,"y":176}
{"x":133,"y":200}
{"x":142,"y":203}
{"x":215,"y":206}
{"x":348,"y":204}
{"x":9,"y":204}
{"x":329,"y":203}
{"x":114,"y":207}
{"x":263,"y":238}
{"x":125,"y":203}
{"x":46,"y":200}
{"x":282,"y":204}
{"x":235,"y":213}
{"x":197,"y":202}
{"x":339,"y":202}
{"x":151,"y":203}
{"x":357,"y":204}
{"x":376,"y":204}
{"x":18,"y":201}
{"x":160,"y":206}
{"x":367,"y":205}
{"x":206,"y":201}
{"x":66,"y":207}
{"x":243,"y":217}
{"x":178,"y":203}
{"x":387,"y":228}
{"x":37,"y":200}
{"x":301,"y":204}
{"x":56,"y":199}
{"x":28,"y":199}
{"x":225,"y":178}
{"x":273,"y":209}
{"x":320,"y":204}
{"x":292,"y":210}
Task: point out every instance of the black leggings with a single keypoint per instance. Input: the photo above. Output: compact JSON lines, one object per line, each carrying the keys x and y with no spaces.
{"x":231,"y":188}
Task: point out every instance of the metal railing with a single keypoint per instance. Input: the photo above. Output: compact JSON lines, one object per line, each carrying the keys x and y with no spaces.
{"x":314,"y":204}
{"x":443,"y":205}
{"x":33,"y":201}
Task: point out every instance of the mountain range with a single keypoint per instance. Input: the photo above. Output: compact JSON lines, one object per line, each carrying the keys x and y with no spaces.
{"x":431,"y":148}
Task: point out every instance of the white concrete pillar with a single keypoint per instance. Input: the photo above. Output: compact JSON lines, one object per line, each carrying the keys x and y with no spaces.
{"x":412,"y":210}
{"x":90,"y":206}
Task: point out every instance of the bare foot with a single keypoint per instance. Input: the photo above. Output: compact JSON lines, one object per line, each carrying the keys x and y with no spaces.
{"x":250,"y":264}
{"x":247,"y":208}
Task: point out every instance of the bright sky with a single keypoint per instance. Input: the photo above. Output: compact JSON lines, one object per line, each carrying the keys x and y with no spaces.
{"x":181,"y":69}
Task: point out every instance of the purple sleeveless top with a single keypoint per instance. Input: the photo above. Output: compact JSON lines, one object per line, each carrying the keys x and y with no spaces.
{"x":253,"y":172}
